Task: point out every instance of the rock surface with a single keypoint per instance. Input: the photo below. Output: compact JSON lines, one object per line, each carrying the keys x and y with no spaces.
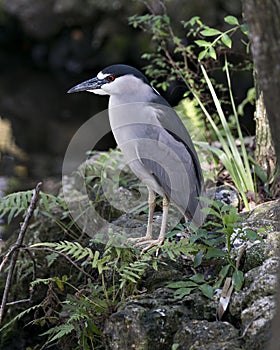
{"x":255,"y":304}
{"x":204,"y":335}
{"x":156,"y":320}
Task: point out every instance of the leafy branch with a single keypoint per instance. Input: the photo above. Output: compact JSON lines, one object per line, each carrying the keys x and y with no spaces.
{"x":221,"y":37}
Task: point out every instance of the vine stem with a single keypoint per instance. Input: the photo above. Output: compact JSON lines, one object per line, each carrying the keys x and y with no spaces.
{"x":14,"y":250}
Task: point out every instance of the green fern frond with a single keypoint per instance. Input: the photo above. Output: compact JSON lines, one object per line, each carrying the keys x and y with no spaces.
{"x":77,"y":317}
{"x":17,"y":203}
{"x":78,"y":252}
{"x":175,"y":249}
{"x":14,"y":204}
{"x":45,"y":281}
{"x":48,"y":201}
{"x":19,"y":316}
{"x":132,"y":272}
{"x":58,"y":332}
{"x":71,"y":249}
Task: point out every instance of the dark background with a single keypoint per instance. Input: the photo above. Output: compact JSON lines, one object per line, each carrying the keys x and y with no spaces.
{"x":47,"y":46}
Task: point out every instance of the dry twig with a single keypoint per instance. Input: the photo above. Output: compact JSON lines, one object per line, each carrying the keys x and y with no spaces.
{"x":14,"y":250}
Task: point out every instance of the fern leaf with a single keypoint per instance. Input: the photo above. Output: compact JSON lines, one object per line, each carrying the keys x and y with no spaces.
{"x":64,"y":246}
{"x":44,"y":244}
{"x":41,"y":280}
{"x":13,"y":212}
{"x":19,"y":316}
{"x":60,"y":331}
{"x":72,"y":249}
{"x":18,"y":202}
{"x":132,"y":272}
{"x":128,"y":272}
{"x":14,"y":204}
{"x":86,"y":252}
{"x":44,"y":202}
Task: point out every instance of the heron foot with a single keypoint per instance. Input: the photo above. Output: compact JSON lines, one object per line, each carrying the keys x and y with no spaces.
{"x":150,"y":244}
{"x":146,"y":240}
{"x":138,"y":240}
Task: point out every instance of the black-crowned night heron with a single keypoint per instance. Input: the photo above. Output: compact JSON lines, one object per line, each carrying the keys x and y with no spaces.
{"x":154,"y":142}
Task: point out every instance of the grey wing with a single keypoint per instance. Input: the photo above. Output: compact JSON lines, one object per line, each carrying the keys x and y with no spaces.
{"x":174,"y":163}
{"x":171,"y":122}
{"x":160,"y":152}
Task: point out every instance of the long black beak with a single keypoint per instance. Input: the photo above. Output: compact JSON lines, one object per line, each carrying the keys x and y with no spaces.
{"x":88,"y":85}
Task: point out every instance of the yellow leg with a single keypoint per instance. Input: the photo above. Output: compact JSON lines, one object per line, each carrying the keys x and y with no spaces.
{"x":149,"y":233}
{"x":157,"y":242}
{"x":152,"y":205}
{"x":165,"y":209}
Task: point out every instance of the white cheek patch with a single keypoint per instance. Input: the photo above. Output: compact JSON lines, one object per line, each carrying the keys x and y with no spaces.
{"x":98,"y":92}
{"x":102,"y":76}
{"x":114,"y":86}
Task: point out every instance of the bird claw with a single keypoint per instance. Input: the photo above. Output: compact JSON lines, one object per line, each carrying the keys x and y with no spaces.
{"x":137,"y":240}
{"x":147,"y":241}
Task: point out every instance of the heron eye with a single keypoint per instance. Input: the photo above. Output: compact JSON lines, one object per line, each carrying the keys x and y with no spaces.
{"x":110,"y":78}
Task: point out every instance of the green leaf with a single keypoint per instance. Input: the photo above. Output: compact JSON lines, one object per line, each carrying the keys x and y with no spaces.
{"x":226,"y":40}
{"x":155,"y":264}
{"x":95,"y":259}
{"x":231,"y":20}
{"x":224,"y":271}
{"x":214,"y":242}
{"x":207,"y":290}
{"x":214,"y":253}
{"x":202,"y":43}
{"x":211,"y":202}
{"x":252,"y":236}
{"x":244,"y":29}
{"x":212,"y":52}
{"x":51,"y":258}
{"x":64,"y":278}
{"x":44,"y":244}
{"x":12,"y":213}
{"x":198,"y":278}
{"x":59,"y":283}
{"x":19,"y":316}
{"x":238,"y":279}
{"x":180,"y":293}
{"x":59,"y":331}
{"x":261,"y":174}
{"x":202,"y":54}
{"x":210,"y":32}
{"x":210,"y":211}
{"x":238,"y":166}
{"x":230,"y":218}
{"x":222,"y":275}
{"x":198,"y":259}
{"x":182,"y":284}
